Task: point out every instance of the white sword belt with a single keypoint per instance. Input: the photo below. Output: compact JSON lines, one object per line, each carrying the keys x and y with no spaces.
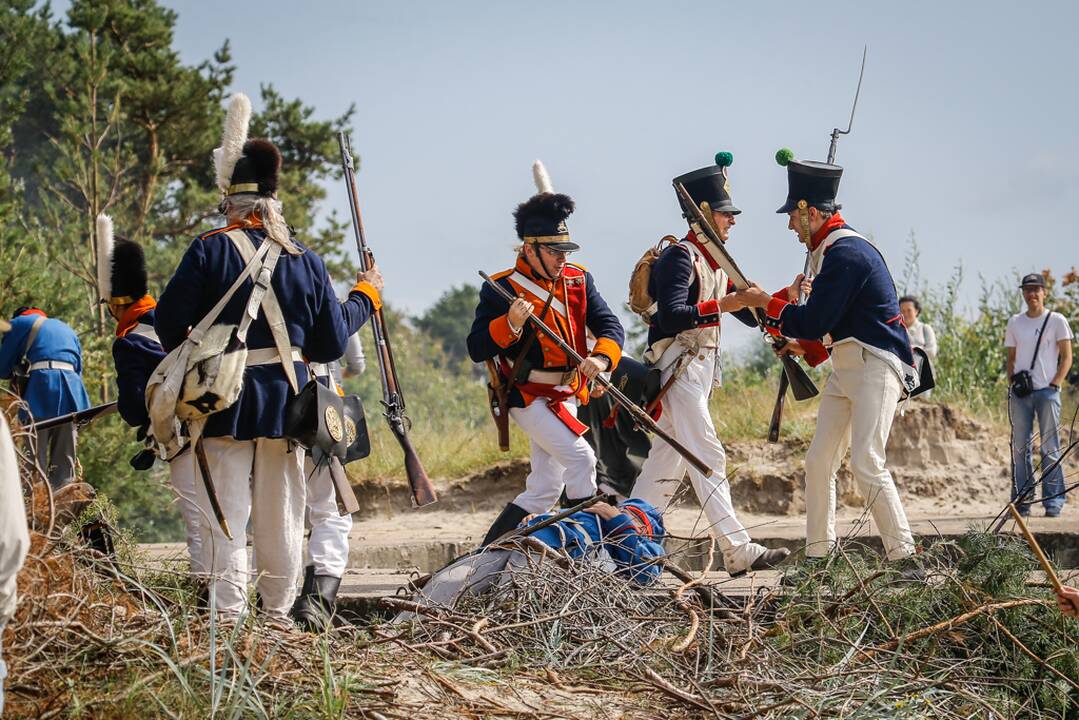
{"x":270,"y":356}
{"x":51,"y":365}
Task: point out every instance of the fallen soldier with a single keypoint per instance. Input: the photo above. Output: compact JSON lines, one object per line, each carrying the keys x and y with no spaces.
{"x":624,"y":540}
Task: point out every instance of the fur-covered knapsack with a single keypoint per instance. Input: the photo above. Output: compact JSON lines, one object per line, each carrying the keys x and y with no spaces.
{"x":640,"y":299}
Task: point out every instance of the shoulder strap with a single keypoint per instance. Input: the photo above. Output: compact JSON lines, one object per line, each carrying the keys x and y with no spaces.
{"x":1038,"y":344}
{"x":263,"y":295}
{"x":32,"y":336}
{"x":253,"y":264}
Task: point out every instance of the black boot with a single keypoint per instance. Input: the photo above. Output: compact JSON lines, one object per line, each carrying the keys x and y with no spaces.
{"x":510,"y":517}
{"x":315,"y":605}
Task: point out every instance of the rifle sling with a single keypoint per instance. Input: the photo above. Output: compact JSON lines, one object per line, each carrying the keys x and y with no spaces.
{"x":526,"y":345}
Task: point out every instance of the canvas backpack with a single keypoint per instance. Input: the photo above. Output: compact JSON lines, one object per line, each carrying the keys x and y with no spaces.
{"x":640,"y":299}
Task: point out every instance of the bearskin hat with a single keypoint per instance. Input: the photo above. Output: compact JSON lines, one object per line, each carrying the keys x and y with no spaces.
{"x":121,"y":266}
{"x":258,"y":170}
{"x":128,"y":270}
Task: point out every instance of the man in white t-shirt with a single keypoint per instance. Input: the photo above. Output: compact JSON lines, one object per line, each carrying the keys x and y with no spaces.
{"x":1047,"y":371}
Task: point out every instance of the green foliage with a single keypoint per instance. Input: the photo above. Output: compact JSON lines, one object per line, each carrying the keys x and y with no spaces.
{"x":449,"y":320}
{"x":970,"y":368}
{"x":101,"y":115}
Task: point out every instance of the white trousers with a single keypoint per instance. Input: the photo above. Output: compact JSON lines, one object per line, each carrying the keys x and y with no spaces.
{"x":686,"y":417}
{"x":261,"y":480}
{"x":183,"y":478}
{"x":857,"y":408}
{"x":327,"y":546}
{"x":559,"y":458}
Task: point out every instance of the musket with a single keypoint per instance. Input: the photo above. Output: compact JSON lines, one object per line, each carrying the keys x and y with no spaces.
{"x":640,"y":417}
{"x":803,"y":231}
{"x":79,"y":418}
{"x":393,"y":400}
{"x":800,"y":382}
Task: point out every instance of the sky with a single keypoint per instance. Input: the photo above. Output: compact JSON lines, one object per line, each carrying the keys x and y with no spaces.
{"x":965,"y":133}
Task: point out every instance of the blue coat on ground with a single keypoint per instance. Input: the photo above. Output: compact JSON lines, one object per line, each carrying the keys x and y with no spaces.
{"x":49,"y":393}
{"x":317,"y":323}
{"x":583,"y":533}
{"x":136,"y":357}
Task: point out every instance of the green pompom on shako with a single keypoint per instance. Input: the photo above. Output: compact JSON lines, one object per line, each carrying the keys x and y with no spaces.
{"x":784,"y":156}
{"x":724,"y":159}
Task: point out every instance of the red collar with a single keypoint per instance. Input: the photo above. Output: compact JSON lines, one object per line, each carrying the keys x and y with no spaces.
{"x":640,"y":520}
{"x":692,"y":237}
{"x":834,"y":222}
{"x":33,"y":311}
{"x":525,"y":269}
{"x":131,"y":316}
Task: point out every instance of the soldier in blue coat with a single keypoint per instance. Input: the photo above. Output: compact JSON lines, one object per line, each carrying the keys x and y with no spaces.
{"x":257,"y":472}
{"x":136,"y":352}
{"x":854,"y":310}
{"x":47,"y":350}
{"x":691,"y":294}
{"x":625,"y":539}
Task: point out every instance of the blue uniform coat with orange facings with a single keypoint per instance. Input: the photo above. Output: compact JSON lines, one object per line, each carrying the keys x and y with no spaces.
{"x":853,"y":296}
{"x":49,"y":393}
{"x":317,"y":323}
{"x":490,"y":336}
{"x":677,"y":290}
{"x":583,"y":533}
{"x":136,"y":357}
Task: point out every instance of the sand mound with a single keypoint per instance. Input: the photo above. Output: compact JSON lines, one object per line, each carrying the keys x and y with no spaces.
{"x":934,"y":451}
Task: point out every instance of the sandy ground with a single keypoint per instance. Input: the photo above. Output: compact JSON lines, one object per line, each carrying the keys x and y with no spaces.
{"x":946,"y":465}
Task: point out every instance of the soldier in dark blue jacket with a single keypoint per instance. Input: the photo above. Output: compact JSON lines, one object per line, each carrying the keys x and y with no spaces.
{"x":136,"y":352}
{"x":691,"y":293}
{"x":257,"y":473}
{"x":854,"y":310}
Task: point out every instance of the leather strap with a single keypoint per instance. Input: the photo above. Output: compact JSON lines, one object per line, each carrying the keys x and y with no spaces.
{"x":275,"y":318}
{"x":1038,"y":344}
{"x":527,"y":284}
{"x":32,"y":336}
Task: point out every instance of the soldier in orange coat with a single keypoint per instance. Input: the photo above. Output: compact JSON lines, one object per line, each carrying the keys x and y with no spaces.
{"x":546,"y":386}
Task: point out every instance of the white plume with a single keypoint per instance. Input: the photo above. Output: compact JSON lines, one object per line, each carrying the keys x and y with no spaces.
{"x":104,"y":256}
{"x":232,"y":139}
{"x":543,"y":180}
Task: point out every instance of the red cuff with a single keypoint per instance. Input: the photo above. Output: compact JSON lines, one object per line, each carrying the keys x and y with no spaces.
{"x":708,"y":313}
{"x":816,"y":353}
{"x":501,"y":333}
{"x":772,"y":314}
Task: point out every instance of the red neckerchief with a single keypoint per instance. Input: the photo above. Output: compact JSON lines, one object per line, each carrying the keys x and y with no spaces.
{"x":833,"y":222}
{"x":131,"y":316}
{"x":33,"y":311}
{"x":692,"y":237}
